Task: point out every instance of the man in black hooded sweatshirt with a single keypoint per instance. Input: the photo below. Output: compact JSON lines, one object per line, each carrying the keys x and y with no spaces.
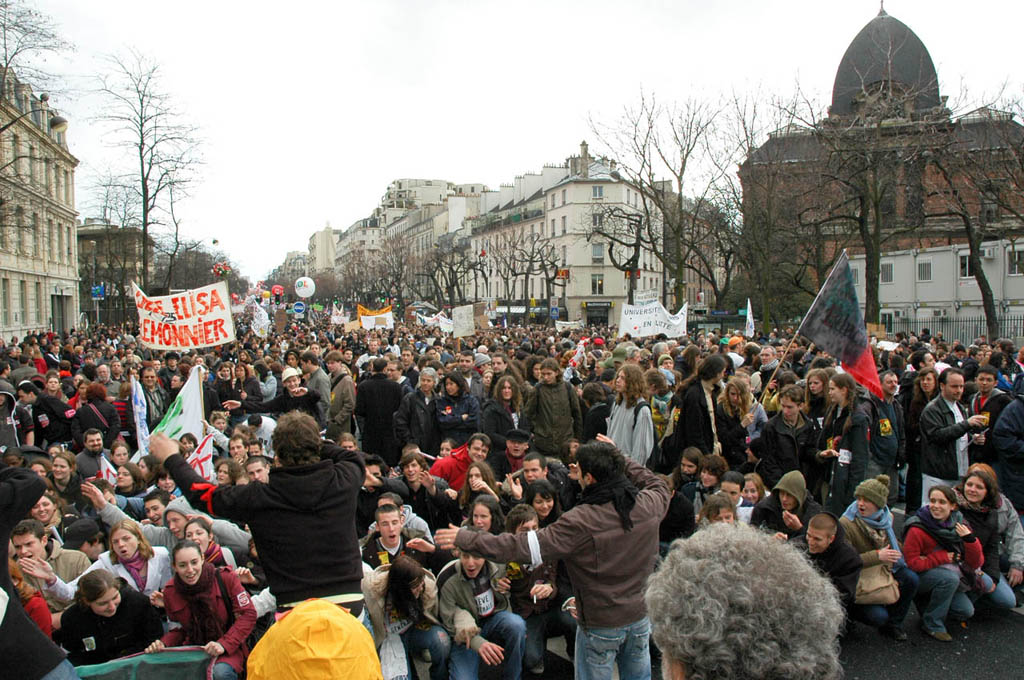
{"x":825,"y":542}
{"x":303,"y":520}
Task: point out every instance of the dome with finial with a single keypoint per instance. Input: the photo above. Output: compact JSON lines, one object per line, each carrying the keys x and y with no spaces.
{"x":885,"y":56}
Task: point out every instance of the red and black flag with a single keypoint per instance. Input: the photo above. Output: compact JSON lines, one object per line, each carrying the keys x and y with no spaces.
{"x":835,"y":324}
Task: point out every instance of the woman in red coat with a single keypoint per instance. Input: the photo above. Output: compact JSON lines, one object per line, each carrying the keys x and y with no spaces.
{"x":213,"y":609}
{"x":939,"y":546}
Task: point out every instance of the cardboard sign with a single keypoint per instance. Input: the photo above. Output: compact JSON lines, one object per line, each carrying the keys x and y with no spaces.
{"x":463,"y":321}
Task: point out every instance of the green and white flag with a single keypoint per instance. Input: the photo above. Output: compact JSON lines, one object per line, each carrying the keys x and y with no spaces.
{"x":185,"y":414}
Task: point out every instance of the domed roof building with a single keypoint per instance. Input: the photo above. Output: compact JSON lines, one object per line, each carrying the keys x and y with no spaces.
{"x":886,"y":57}
{"x":890,"y":168}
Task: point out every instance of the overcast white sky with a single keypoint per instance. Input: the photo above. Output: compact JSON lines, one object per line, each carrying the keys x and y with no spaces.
{"x":308,"y":109}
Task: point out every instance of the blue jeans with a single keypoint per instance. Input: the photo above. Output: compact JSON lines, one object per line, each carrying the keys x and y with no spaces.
{"x":539,"y":627}
{"x":599,"y":649}
{"x":941,"y":586}
{"x":877,"y":615}
{"x":63,"y":671}
{"x":436,"y":641}
{"x":1001,"y":597}
{"x":223,"y":671}
{"x":510,"y":630}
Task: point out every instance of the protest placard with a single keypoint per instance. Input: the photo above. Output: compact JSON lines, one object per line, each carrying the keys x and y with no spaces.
{"x":194,"y":318}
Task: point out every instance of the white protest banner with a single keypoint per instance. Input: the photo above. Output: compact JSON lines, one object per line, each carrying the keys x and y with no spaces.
{"x":748,"y":327}
{"x":139,"y":412}
{"x":370,"y":322}
{"x":193,"y":318}
{"x":463,"y":322}
{"x":651,"y":319}
{"x":568,"y":325}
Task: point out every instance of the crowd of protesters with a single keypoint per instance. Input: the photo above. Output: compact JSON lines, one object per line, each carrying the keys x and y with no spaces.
{"x":468,"y":500}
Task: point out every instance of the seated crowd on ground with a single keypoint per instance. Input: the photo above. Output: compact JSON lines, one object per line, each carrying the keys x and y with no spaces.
{"x":764,"y":450}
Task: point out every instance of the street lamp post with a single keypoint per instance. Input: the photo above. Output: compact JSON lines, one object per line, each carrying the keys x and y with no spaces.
{"x":57,"y":122}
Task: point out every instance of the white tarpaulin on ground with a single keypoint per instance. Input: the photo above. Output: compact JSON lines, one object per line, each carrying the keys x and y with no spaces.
{"x":199,"y":317}
{"x":650,"y":319}
{"x":369,"y":322}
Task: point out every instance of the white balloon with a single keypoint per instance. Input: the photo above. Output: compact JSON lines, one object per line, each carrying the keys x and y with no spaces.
{"x":305,"y":287}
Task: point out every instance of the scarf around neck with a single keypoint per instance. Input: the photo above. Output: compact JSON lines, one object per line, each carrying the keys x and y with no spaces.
{"x":135,"y":564}
{"x":203,"y":625}
{"x":514,"y":464}
{"x":881,"y":520}
{"x":981,"y":508}
{"x":617,"y":490}
{"x":943,"y":532}
{"x":214,"y":555}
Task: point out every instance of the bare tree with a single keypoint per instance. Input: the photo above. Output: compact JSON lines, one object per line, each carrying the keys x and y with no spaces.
{"x":668,"y":154}
{"x":396,"y":267}
{"x":545,"y":260}
{"x":27,"y":37}
{"x":974,"y":178}
{"x":164,"y":149}
{"x":869,"y":165}
{"x":508,"y":259}
{"x":782,"y":246}
{"x":626,"y":233}
{"x":175,"y":244}
{"x":114,"y":256}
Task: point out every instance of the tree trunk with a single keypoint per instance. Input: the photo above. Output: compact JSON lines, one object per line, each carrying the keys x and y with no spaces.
{"x":872,"y":261}
{"x":984,"y":287}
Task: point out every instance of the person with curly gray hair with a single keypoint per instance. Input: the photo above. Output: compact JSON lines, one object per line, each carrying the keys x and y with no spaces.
{"x":733,"y":603}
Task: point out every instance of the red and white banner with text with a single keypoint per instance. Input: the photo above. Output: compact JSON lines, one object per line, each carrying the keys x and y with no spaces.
{"x":200,"y":317}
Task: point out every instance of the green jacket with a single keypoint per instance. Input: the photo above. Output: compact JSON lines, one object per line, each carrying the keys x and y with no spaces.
{"x":458,"y":606}
{"x":555,"y":416}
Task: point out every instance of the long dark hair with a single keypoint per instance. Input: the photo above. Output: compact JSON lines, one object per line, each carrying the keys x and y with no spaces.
{"x":546,"y":490}
{"x":844,"y":381}
{"x":492,"y":505}
{"x":404,"y":574}
{"x":710,"y":367}
{"x":920,"y":399}
{"x":458,"y":380}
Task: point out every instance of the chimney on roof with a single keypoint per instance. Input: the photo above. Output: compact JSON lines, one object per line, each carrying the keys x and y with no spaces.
{"x":584,"y":160}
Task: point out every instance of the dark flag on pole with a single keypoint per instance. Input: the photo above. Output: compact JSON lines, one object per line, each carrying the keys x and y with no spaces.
{"x":835,"y":324}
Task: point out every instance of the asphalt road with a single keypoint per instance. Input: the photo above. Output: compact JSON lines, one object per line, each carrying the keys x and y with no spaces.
{"x":989,"y":648}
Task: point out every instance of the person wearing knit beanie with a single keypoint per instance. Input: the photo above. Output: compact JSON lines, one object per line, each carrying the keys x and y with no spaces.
{"x":874,"y":490}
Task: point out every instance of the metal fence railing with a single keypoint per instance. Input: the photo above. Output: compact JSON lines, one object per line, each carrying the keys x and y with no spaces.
{"x":962,"y":329}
